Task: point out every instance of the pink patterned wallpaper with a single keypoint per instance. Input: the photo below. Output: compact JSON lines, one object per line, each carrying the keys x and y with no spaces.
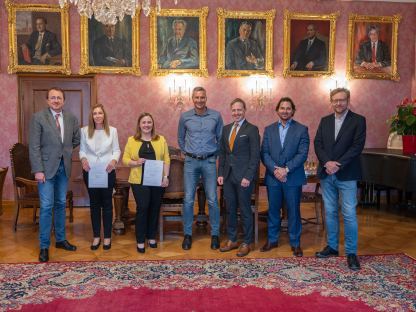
{"x":125,"y":97}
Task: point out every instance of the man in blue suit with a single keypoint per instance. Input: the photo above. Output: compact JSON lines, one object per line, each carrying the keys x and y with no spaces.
{"x":284,"y":150}
{"x":339,"y":142}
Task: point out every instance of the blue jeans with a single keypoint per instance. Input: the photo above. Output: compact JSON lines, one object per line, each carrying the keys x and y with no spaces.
{"x":52,"y":196}
{"x":332,"y":190}
{"x":194,"y":169}
{"x":291,"y":195}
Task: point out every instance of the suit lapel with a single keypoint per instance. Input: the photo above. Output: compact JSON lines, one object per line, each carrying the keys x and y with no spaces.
{"x":240,"y":132}
{"x":52,"y":123}
{"x":275,"y":136}
{"x":289,"y":134}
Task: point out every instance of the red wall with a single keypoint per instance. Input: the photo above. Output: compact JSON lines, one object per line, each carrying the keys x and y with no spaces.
{"x":125,"y":97}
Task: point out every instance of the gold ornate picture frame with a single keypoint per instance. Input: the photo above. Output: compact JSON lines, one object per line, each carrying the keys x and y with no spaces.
{"x":245,"y":43}
{"x":178,"y":42}
{"x":366,"y":60}
{"x":309,"y":44}
{"x":38,"y":38}
{"x":111,"y":49}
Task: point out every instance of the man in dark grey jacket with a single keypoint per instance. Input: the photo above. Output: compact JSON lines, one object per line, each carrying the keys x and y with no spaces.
{"x":53,"y":135}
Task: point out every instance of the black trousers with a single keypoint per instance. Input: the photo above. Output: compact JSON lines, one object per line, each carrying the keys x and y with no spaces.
{"x":148,"y":201}
{"x":236,"y":197}
{"x":101,"y":203}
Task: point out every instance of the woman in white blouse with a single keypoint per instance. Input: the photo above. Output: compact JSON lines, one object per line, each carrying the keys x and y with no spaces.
{"x":99,"y":144}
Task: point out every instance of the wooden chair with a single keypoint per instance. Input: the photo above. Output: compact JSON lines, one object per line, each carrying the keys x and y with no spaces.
{"x":316,"y":198}
{"x":3,"y":173}
{"x":172,"y":201}
{"x":25,"y":187}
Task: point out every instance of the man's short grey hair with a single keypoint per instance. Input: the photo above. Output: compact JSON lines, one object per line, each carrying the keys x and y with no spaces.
{"x":178,"y":21}
{"x":246,"y":23}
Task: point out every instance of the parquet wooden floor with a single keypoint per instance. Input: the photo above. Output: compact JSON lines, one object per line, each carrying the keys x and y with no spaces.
{"x":380,"y":232}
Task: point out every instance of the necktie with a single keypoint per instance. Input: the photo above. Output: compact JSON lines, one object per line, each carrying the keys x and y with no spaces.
{"x":309,"y":45}
{"x":39,"y":42}
{"x":373,"y":54}
{"x":58,"y":125}
{"x":233,"y":135}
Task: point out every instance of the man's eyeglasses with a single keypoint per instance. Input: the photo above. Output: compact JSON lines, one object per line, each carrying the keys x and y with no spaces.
{"x":54,"y":98}
{"x":339,"y":101}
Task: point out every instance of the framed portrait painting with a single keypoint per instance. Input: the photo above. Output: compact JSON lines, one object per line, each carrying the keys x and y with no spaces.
{"x":38,"y":38}
{"x":109,"y":48}
{"x":309,"y":44}
{"x":245,"y":43}
{"x":178,"y":42}
{"x":372,"y":47}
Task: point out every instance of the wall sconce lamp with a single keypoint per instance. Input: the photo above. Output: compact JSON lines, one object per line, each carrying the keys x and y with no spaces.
{"x":261,"y":93}
{"x":179,"y":92}
{"x":337,"y":81}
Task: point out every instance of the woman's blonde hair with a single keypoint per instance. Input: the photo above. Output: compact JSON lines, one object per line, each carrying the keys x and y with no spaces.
{"x":138,"y":134}
{"x":91,"y":123}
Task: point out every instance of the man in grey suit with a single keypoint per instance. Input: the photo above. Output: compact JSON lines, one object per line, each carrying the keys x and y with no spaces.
{"x":53,"y":135}
{"x":238,"y":164}
{"x":284,"y":150}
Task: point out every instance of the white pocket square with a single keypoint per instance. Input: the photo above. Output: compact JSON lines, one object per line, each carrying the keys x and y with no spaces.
{"x":243,"y":135}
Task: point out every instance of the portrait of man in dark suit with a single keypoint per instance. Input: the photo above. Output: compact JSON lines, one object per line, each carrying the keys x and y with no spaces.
{"x":245,"y":52}
{"x":311,"y":52}
{"x":110,"y":49}
{"x":373,"y":53}
{"x":110,"y":45}
{"x":179,"y":50}
{"x":42,"y":46}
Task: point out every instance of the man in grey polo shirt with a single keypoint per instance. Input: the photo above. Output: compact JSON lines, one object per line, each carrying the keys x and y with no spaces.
{"x":199,"y":133}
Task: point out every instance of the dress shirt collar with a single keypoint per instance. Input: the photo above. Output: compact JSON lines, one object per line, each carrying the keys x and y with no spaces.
{"x":342,"y":117}
{"x":279,"y":123}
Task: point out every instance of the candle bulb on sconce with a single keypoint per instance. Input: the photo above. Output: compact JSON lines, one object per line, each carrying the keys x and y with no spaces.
{"x":261,"y":93}
{"x":178,"y":89}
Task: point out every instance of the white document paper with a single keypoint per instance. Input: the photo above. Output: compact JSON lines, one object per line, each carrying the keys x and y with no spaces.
{"x":98,"y":176}
{"x":153,"y":173}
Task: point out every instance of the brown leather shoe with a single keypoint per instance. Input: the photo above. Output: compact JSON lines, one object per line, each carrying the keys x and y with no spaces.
{"x":269,"y":246}
{"x":228,"y":245}
{"x":297,"y":251}
{"x":243,"y":250}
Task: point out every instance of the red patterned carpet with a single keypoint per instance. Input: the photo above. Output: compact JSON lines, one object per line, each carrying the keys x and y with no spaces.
{"x":385,"y":283}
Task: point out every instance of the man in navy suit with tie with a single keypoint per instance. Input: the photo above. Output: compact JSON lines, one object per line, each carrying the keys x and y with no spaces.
{"x":284,"y":150}
{"x":339,"y":142}
{"x":238,"y":165}
{"x":373,"y":53}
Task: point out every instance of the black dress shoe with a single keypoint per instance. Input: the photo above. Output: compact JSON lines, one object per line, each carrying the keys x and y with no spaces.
{"x":269,"y":246}
{"x":95,"y":247}
{"x":297,"y":251}
{"x":44,"y":255}
{"x":65,"y":245}
{"x":215,"y":242}
{"x":140,"y":250}
{"x":152,"y":245}
{"x":353,"y":263}
{"x":187,"y":242}
{"x":327,"y":252}
{"x":107,"y":246}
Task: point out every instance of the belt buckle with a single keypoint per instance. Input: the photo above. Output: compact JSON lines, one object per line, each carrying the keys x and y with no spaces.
{"x":200,"y":157}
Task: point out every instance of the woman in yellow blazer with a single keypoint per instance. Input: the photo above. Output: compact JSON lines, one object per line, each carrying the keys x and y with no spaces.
{"x":146,"y":145}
